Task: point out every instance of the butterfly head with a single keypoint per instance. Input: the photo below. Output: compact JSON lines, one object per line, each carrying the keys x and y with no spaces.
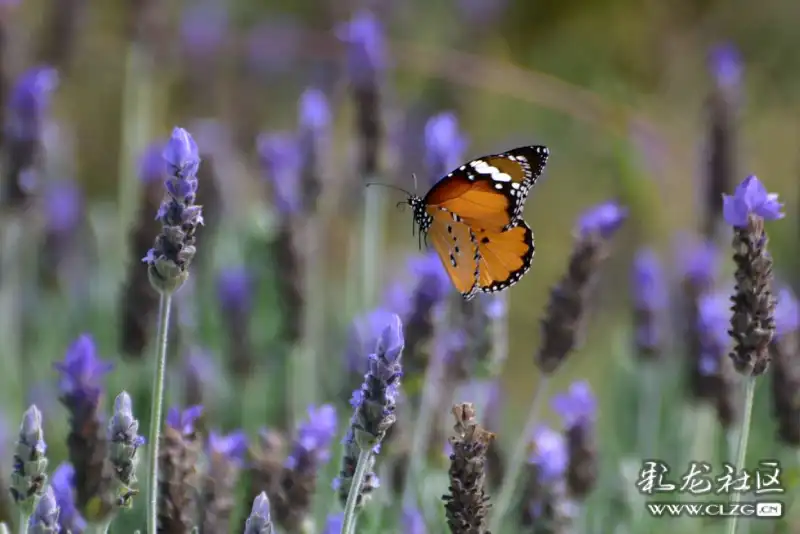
{"x":421,"y":217}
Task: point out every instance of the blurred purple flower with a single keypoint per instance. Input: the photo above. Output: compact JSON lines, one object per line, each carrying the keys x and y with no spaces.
{"x":649,"y":283}
{"x":366,"y":53}
{"x":70,"y":520}
{"x":82,"y":372}
{"x":63,"y":204}
{"x":726,"y":65}
{"x":397,"y":299}
{"x":314,"y":111}
{"x":787,"y":312}
{"x":314,"y":437}
{"x":282,"y":163}
{"x":233,"y":446}
{"x":183,"y":421}
{"x":445,"y":145}
{"x":183,"y":160}
{"x":549,"y":455}
{"x":494,"y":306}
{"x":413,"y":522}
{"x":234,"y":289}
{"x":260,"y":519}
{"x":29,"y":102}
{"x":714,"y":321}
{"x":699,"y":260}
{"x":333,"y":523}
{"x":576,"y":406}
{"x":603,"y":219}
{"x":430,"y":276}
{"x":750,"y":197}
{"x":203,"y":28}
{"x":151,"y":163}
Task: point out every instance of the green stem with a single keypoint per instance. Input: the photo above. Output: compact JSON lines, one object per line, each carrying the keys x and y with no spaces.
{"x":744,"y":434}
{"x":349,"y":522}
{"x":23,"y":522}
{"x":371,"y":248}
{"x":514,"y":468}
{"x":164,"y":306}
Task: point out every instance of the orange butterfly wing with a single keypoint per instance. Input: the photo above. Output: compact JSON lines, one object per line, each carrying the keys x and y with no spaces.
{"x":504,"y":257}
{"x":489,"y":193}
{"x":457,"y":247}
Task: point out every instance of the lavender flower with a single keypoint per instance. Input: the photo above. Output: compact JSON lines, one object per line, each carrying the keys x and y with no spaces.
{"x":138,"y":303}
{"x":314,"y":124}
{"x":123,"y":433}
{"x":545,"y":502}
{"x":413,"y":522}
{"x":466,"y":504}
{"x":282,"y":163}
{"x":716,"y":371}
{"x":169,"y":259}
{"x":63,"y":204}
{"x":333,"y":524}
{"x":226,"y":457}
{"x":577,"y":408}
{"x":374,"y":409}
{"x":785,"y":371}
{"x":45,"y":518}
{"x":29,"y":476}
{"x":27,"y":111}
{"x":178,"y":456}
{"x":203,"y":30}
{"x":81,"y":386}
{"x":266,"y":465}
{"x":698,"y":266}
{"x":753,"y":321}
{"x":445,"y":144}
{"x":62,"y":482}
{"x":564,"y":315}
{"x":366,"y":60}
{"x":310,"y":450}
{"x":234,"y":290}
{"x":260,"y":521}
{"x":650,"y":302}
{"x":725,"y":66}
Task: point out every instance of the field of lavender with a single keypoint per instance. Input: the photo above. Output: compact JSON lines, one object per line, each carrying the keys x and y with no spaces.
{"x":216,"y":327}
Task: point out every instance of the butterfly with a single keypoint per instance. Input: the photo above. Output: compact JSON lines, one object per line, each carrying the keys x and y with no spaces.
{"x":472,"y":218}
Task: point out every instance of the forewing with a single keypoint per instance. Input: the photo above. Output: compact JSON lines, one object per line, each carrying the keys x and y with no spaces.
{"x":505,"y":257}
{"x":457,"y":247}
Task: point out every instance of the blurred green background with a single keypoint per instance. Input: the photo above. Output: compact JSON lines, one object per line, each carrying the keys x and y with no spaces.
{"x":615,"y":88}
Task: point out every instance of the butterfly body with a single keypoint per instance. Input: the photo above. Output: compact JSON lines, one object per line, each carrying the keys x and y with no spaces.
{"x":472,"y":217}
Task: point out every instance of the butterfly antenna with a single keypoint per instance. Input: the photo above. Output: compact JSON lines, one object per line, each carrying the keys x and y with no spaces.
{"x":414,"y":177}
{"x":390,"y":186}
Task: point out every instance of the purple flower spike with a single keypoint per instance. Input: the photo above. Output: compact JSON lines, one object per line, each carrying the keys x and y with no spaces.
{"x":333,"y":524}
{"x":603,"y":219}
{"x":413,"y":522}
{"x":29,"y":102}
{"x":649,"y":285}
{"x":314,"y":111}
{"x":364,"y":337}
{"x":445,"y":144}
{"x":750,"y":198}
{"x":82,"y":372}
{"x":182,"y":155}
{"x":183,"y":421}
{"x":234,"y":287}
{"x":366,"y":54}
{"x":391,"y":341}
{"x":70,"y":520}
{"x":787,"y":313}
{"x":282,"y":161}
{"x":713,"y":324}
{"x":577,"y":406}
{"x":550,"y":454}
{"x":314,"y":437}
{"x":726,"y":65}
{"x":431,"y":278}
{"x":203,"y":29}
{"x":233,"y":446}
{"x":45,"y":517}
{"x":63,"y":202}
{"x":699,"y":261}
